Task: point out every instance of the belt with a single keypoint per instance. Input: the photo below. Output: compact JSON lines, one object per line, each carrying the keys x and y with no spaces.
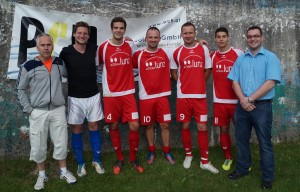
{"x":263,"y":101}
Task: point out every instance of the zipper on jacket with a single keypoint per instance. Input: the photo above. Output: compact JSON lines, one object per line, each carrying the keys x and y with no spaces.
{"x":50,"y":91}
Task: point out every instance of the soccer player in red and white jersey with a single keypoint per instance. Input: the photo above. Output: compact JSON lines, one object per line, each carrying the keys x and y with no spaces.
{"x":154,"y":88}
{"x":224,"y":97}
{"x":118,"y":92}
{"x":191,"y":68}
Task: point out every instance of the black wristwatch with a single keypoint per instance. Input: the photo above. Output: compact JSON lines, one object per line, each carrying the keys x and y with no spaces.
{"x":250,"y":100}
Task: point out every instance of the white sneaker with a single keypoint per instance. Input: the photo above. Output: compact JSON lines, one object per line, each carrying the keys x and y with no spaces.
{"x":187,"y":162}
{"x":81,"y":170}
{"x":40,"y":183}
{"x":68,"y":177}
{"x":209,"y":167}
{"x":98,"y":167}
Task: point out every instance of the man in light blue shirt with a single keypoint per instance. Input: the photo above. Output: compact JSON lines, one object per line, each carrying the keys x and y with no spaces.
{"x":254,"y":76}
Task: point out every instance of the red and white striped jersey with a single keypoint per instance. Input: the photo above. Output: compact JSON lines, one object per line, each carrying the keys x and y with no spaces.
{"x":191,"y":64}
{"x":222,"y":64}
{"x":154,"y":73}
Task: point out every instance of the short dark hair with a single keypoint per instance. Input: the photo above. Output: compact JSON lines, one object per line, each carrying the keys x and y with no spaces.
{"x":255,"y":27}
{"x":222,"y":29}
{"x":187,"y":24}
{"x":118,"y":19}
{"x":153,"y":28}
{"x":82,"y":24}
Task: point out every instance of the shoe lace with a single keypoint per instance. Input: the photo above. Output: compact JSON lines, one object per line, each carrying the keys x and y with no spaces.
{"x":188,"y":158}
{"x":41,"y":180}
{"x":227,"y":161}
{"x":67,"y":175}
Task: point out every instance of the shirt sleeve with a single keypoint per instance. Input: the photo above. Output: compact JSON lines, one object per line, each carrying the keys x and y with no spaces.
{"x":133,"y":46}
{"x":61,"y":54}
{"x":169,"y":52}
{"x":64,"y":71}
{"x":98,"y":59}
{"x":135,"y":59}
{"x":22,"y":86}
{"x":239,"y":51}
{"x":234,"y":74}
{"x":208,"y":63}
{"x":64,"y":68}
{"x":273,"y":68}
{"x":173,"y":63}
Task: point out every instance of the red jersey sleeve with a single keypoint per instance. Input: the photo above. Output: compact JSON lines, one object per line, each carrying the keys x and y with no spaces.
{"x":135,"y":58}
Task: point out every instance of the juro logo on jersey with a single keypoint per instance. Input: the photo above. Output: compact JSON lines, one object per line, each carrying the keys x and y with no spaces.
{"x":223,"y":68}
{"x":190,"y":63}
{"x":116,"y":61}
{"x":155,"y":63}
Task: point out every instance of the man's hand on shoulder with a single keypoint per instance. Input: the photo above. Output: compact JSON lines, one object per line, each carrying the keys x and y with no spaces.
{"x":128,"y":39}
{"x":202,"y":42}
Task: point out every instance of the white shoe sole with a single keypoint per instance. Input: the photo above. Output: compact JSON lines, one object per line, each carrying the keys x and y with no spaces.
{"x":209,"y":167}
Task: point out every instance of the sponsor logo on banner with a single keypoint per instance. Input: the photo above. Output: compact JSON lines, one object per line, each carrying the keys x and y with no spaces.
{"x":31,"y":21}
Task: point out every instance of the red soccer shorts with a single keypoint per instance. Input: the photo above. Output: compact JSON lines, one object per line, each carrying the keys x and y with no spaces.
{"x":155,"y":110}
{"x":120,"y":107}
{"x":223,"y":113}
{"x":188,"y":107}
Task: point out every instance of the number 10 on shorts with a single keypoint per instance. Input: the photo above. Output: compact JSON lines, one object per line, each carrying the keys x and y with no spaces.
{"x":147,"y":119}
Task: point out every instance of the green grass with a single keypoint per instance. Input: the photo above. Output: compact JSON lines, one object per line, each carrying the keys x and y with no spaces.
{"x":17,"y":175}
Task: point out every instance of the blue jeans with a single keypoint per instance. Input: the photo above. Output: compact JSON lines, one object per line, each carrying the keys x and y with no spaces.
{"x":261,"y":119}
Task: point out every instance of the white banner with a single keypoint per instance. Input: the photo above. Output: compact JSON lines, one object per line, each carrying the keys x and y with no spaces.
{"x":30,"y":21}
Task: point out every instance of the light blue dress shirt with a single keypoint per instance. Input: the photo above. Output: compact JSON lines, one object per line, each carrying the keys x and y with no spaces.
{"x":251,"y":72}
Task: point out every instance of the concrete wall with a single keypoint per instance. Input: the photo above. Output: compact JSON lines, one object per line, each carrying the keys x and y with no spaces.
{"x":280,"y":21}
